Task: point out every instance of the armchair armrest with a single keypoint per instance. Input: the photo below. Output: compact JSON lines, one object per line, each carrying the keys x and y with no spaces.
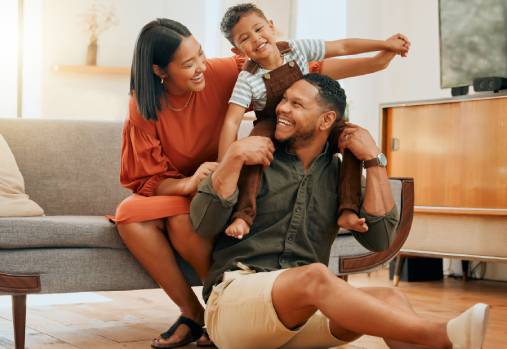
{"x":366,"y":261}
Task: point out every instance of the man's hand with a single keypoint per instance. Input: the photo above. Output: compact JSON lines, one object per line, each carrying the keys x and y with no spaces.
{"x":399,"y":44}
{"x":359,"y":141}
{"x":254,"y":150}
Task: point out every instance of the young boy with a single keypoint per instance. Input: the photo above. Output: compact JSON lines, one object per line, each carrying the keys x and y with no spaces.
{"x":271,"y":69}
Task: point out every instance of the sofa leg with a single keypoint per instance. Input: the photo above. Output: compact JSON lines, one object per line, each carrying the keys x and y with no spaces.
{"x":19,"y":320}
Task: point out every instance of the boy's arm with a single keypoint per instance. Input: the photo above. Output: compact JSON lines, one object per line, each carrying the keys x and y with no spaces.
{"x":345,"y":68}
{"x":397,"y":43}
{"x":230,"y":128}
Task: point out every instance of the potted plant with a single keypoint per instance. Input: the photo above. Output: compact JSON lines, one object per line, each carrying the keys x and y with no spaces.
{"x":98,"y":19}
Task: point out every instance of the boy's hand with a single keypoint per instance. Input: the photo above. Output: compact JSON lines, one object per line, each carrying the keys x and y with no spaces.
{"x":399,"y":44}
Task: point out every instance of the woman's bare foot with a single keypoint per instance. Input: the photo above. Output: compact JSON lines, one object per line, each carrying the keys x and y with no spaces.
{"x":350,"y":220}
{"x":238,"y":228}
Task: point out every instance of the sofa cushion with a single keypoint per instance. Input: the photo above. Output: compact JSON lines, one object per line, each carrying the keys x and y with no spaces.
{"x":70,"y":167}
{"x":58,"y":231}
{"x":13,"y":200}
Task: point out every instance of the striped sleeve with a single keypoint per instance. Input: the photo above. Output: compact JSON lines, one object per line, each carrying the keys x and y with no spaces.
{"x":242,"y":92}
{"x":311,"y":49}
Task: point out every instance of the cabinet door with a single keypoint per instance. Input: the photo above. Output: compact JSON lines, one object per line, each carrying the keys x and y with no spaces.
{"x":456,"y":152}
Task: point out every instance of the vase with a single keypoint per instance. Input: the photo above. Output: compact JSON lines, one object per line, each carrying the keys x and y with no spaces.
{"x":91,"y":53}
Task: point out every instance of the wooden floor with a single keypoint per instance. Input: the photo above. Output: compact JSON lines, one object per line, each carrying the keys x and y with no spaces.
{"x":129,"y":320}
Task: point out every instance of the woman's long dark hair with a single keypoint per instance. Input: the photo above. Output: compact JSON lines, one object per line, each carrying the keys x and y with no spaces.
{"x":156,"y":44}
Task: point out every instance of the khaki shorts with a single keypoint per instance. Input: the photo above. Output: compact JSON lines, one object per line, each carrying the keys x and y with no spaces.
{"x":240,"y":315}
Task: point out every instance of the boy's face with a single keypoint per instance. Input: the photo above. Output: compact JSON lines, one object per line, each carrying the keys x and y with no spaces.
{"x":254,"y":37}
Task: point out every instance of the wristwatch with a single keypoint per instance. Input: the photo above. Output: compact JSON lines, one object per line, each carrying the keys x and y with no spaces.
{"x":380,"y":160}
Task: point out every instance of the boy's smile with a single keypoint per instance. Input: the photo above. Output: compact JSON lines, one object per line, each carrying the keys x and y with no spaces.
{"x":254,"y":37}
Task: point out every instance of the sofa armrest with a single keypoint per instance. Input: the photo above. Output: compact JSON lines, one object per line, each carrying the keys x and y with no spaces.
{"x":366,"y":261}
{"x":19,"y":284}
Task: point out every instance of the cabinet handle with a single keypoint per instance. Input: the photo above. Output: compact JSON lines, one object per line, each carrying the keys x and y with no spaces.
{"x":395,"y":144}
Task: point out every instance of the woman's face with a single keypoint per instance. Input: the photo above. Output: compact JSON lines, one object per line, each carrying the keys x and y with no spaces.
{"x":185,"y":72}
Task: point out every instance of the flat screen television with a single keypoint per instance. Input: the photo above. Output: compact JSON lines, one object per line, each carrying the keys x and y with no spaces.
{"x":473,"y":40}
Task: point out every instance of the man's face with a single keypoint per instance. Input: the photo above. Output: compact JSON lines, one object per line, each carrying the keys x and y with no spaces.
{"x":298,"y":113}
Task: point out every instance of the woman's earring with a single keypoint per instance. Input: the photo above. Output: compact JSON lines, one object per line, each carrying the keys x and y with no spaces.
{"x":162,"y":81}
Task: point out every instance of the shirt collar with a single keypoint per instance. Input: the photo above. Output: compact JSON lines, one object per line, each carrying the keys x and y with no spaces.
{"x":282,"y":150}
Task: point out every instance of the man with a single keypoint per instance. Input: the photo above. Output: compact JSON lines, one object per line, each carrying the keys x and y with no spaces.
{"x":272,"y":288}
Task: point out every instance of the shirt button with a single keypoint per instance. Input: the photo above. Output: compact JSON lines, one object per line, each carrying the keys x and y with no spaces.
{"x":291,"y":64}
{"x":290,"y":238}
{"x":267,"y":76}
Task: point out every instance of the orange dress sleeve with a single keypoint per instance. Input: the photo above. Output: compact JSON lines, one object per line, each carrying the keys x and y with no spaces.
{"x":315,"y":67}
{"x":240,"y":61}
{"x":143,"y":162}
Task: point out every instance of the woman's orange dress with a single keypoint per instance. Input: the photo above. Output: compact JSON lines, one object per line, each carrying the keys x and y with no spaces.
{"x":174,"y":146}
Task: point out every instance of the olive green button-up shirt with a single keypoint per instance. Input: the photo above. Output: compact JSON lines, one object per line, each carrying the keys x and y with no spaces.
{"x":295,"y":223}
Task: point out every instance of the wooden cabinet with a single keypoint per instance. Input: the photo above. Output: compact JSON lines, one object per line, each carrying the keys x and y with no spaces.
{"x":456,"y":151}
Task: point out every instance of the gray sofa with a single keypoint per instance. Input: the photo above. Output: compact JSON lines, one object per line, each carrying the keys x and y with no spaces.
{"x":71,"y":170}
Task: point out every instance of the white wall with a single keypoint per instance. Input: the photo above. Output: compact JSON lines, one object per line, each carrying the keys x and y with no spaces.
{"x":325,"y":19}
{"x":8,"y":58}
{"x":413,"y":78}
{"x":64,"y":42}
{"x":59,"y":30}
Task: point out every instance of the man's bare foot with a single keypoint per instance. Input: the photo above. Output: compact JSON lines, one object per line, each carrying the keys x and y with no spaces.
{"x":238,"y":228}
{"x":350,"y":220}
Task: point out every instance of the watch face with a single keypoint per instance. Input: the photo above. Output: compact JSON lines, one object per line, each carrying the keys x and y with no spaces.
{"x":382,"y":160}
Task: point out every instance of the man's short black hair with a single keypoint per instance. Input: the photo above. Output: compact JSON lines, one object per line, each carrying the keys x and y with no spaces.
{"x":234,"y":14}
{"x":330,"y":92}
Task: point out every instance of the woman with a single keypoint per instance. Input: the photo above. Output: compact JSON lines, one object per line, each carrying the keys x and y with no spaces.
{"x":170,"y":142}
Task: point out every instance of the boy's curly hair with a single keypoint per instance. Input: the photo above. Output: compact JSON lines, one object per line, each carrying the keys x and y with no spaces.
{"x":234,"y":14}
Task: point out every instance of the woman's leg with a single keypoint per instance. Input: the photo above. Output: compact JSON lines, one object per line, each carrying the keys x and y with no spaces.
{"x":149,"y":245}
{"x":193,"y":248}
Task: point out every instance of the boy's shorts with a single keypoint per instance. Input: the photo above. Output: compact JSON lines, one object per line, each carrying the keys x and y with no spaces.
{"x":240,"y":314}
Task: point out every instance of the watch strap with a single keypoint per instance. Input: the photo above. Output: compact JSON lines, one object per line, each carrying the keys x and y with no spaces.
{"x":370,"y":163}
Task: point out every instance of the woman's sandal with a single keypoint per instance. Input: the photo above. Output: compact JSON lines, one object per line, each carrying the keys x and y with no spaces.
{"x":208,"y":343}
{"x":195,"y":333}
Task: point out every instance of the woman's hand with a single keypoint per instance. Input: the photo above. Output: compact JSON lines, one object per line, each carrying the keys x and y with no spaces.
{"x":202,"y":172}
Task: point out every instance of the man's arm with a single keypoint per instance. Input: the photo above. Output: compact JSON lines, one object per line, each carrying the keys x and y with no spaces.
{"x":378,"y":199}
{"x":212,"y":206}
{"x":378,"y":206}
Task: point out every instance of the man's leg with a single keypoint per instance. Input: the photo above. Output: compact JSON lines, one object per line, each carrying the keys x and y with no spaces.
{"x":350,"y":310}
{"x":396,"y":299}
